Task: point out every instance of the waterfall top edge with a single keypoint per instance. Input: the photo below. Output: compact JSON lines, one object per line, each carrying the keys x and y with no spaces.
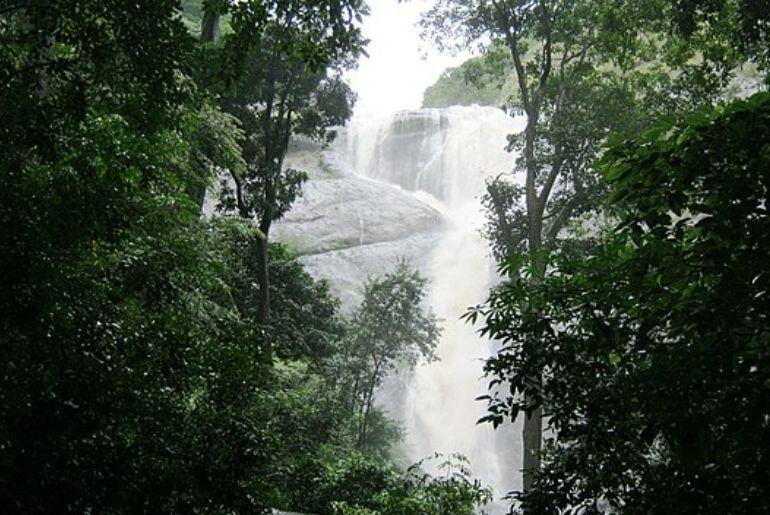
{"x":456,"y":109}
{"x":475,"y":114}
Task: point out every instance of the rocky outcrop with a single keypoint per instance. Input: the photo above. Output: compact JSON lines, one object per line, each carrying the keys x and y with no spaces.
{"x":346,"y":228}
{"x":345,"y":212}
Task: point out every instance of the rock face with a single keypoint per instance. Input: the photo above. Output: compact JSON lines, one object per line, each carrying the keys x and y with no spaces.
{"x":346,"y":228}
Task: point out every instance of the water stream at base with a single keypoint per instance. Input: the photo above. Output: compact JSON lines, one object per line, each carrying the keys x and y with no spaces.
{"x":444,"y":156}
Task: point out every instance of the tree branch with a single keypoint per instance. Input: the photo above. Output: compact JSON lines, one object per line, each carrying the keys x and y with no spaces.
{"x":553,"y":174}
{"x":564,"y":213}
{"x":547,"y":59}
{"x":507,"y":25}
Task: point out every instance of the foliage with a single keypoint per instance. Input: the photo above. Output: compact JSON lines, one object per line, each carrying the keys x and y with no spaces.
{"x":321,"y":32}
{"x":133,"y":380}
{"x":743,"y":25}
{"x":653,"y":348}
{"x":388,"y":329}
{"x":91,"y":53}
{"x":214,"y":138}
{"x":108,"y":313}
{"x":306,"y":322}
{"x":473,"y":82}
{"x":289,"y":62}
{"x":359,"y":486}
{"x":583,"y":70}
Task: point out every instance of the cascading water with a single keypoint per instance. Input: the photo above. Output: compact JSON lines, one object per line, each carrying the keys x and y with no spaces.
{"x":444,"y":156}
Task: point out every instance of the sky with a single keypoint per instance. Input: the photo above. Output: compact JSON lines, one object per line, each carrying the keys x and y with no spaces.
{"x":400,"y":65}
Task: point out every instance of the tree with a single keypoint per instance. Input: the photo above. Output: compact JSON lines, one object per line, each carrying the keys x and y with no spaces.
{"x":567,"y":57}
{"x":306,"y":323}
{"x":290,"y":86}
{"x":388,"y":328}
{"x":742,"y":25}
{"x":654,"y":346}
{"x":584,"y":69}
{"x":362,"y":487}
{"x":85,"y":55}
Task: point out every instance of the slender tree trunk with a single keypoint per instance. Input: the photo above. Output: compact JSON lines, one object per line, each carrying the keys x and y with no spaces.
{"x":209,"y":34}
{"x":368,"y":407}
{"x":532,"y":437}
{"x":210,"y":27}
{"x":46,"y":40}
{"x":202,"y":198}
{"x":263,"y":274}
{"x":532,"y":432}
{"x":361,"y":410}
{"x":353,"y":396}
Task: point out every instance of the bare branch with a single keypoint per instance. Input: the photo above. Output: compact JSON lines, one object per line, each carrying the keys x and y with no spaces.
{"x":553,"y":174}
{"x":507,"y":22}
{"x":563,"y":216}
{"x":547,"y":49}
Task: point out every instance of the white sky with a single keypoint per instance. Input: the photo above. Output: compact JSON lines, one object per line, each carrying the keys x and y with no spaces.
{"x":400,"y":65}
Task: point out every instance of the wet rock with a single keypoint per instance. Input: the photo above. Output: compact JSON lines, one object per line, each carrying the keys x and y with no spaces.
{"x":347,"y":228}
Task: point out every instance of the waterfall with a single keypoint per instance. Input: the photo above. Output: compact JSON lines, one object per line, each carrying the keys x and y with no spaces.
{"x":443,"y":156}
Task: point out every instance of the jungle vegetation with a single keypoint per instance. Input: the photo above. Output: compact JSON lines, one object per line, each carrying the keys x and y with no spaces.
{"x":619,"y":99}
{"x":156,"y":360}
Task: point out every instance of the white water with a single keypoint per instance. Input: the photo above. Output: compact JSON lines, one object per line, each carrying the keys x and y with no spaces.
{"x":444,"y":156}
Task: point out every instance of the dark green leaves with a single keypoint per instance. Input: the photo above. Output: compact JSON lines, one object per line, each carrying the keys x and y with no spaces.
{"x":654,"y":345}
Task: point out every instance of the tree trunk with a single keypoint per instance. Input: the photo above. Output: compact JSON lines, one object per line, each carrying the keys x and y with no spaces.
{"x":532,"y":433}
{"x":368,"y":407}
{"x":532,"y":437}
{"x":210,"y":27}
{"x":263,"y":275}
{"x":46,"y":40}
{"x":353,"y":396}
{"x":209,"y":34}
{"x":202,"y":198}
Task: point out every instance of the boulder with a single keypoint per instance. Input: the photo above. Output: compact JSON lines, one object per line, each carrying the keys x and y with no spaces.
{"x":346,"y":228}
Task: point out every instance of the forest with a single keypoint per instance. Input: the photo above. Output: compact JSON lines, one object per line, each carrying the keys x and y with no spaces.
{"x":165,"y":347}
